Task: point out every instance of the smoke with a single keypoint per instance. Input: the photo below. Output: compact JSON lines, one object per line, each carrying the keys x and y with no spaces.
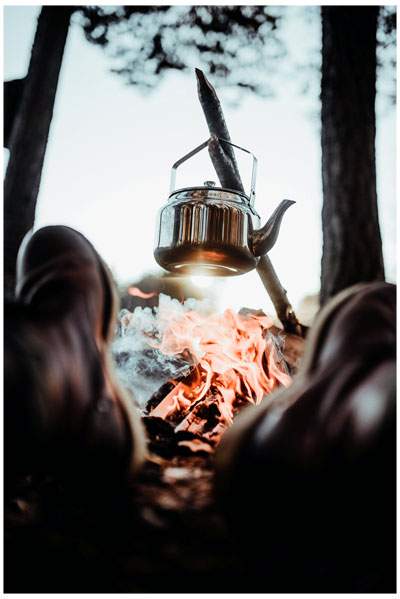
{"x":140,"y":367}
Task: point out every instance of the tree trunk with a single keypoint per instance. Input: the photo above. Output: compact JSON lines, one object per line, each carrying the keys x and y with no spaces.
{"x":352,"y":246}
{"x":12,"y":96}
{"x":30,"y":128}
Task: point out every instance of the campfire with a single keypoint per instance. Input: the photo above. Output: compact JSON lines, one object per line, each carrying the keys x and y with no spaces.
{"x":185,"y":364}
{"x":196,"y":368}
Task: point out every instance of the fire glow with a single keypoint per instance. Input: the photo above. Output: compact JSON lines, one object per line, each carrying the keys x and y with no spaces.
{"x":234,"y":360}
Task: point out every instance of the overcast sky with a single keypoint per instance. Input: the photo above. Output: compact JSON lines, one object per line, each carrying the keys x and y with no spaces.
{"x":110,"y":151}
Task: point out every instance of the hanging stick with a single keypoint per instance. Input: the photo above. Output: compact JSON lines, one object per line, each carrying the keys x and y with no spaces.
{"x":228,"y":173}
{"x":216,"y":124}
{"x":223,"y":159}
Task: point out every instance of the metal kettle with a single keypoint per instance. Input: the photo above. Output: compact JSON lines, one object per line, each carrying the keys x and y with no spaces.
{"x":212,"y":230}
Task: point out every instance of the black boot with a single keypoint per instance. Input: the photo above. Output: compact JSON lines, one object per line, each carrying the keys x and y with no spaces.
{"x":309,"y":481}
{"x":64,"y":411}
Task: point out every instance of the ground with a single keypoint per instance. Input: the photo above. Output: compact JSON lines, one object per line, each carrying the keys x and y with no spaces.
{"x":169,"y":535}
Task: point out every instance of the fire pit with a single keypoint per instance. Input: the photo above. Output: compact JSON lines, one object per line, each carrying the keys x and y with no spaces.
{"x":191,"y":370}
{"x":196,"y":368}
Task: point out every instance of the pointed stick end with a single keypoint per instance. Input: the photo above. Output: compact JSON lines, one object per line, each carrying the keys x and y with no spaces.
{"x":201,"y":78}
{"x":203,"y":85}
{"x":289,"y":202}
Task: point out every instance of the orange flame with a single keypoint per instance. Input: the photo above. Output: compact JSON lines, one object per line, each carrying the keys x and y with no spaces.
{"x":236,"y":360}
{"x":136,"y":292}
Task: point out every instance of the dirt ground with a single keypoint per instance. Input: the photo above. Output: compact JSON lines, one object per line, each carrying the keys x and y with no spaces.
{"x":167,"y":534}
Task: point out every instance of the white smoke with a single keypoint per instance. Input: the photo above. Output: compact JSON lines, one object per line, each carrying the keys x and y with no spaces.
{"x":140,"y":366}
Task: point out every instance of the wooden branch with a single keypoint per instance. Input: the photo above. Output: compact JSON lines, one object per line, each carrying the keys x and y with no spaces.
{"x":223,"y":159}
{"x":214,"y":116}
{"x":278,"y":297}
{"x":225,"y":168}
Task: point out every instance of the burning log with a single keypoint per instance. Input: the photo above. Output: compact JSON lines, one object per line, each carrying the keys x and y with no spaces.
{"x":166,"y":442}
{"x":223,"y":158}
{"x":199,"y":367}
{"x":222,"y":362}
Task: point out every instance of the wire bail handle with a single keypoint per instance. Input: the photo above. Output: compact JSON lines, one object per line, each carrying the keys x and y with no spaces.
{"x":204,"y":145}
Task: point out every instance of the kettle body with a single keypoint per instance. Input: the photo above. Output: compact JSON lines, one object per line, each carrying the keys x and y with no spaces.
{"x":212,"y":230}
{"x":206,"y":230}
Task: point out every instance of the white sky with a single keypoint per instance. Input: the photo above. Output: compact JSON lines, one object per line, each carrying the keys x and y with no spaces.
{"x":110,"y":152}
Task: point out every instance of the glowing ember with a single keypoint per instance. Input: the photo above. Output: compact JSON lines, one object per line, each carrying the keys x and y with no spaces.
{"x":136,"y":292}
{"x":234,"y":360}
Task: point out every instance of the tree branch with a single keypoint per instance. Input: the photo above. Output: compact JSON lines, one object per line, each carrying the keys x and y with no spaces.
{"x":226,"y":170}
{"x":279,"y":297}
{"x":215,"y":118}
{"x":223,"y":159}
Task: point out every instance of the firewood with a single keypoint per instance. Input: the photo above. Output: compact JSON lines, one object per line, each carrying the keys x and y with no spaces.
{"x":216,"y":122}
{"x":224,"y":166}
{"x":223,"y":159}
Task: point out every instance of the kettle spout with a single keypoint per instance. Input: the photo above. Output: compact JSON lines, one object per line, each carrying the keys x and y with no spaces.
{"x":262,"y":240}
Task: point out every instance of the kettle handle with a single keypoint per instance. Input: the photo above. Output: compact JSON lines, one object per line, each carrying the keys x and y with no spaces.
{"x":204,"y":145}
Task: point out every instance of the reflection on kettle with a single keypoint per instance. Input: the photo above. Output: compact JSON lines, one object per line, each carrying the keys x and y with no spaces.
{"x":211,"y":230}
